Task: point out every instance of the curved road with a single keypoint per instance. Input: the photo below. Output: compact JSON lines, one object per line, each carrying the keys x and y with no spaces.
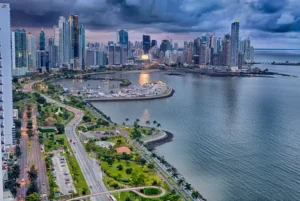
{"x":134,"y":189}
{"x":90,"y":169}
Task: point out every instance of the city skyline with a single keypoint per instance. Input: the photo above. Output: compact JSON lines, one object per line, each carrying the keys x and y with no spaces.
{"x":269,"y":25}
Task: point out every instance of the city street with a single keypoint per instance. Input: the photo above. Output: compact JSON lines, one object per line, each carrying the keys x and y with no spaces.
{"x":89,"y":167}
{"x":23,"y":163}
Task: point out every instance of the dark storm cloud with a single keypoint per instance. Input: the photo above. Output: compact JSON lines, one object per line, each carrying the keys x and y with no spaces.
{"x":174,"y":16}
{"x":267,"y":6}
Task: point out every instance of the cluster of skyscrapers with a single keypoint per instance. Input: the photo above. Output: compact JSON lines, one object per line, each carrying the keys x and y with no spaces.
{"x":65,"y":49}
{"x":207,"y":50}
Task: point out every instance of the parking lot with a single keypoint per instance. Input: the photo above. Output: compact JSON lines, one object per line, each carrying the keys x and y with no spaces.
{"x":62,"y":174}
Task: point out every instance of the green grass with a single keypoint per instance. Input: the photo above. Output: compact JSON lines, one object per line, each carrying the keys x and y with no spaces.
{"x":112,"y":171}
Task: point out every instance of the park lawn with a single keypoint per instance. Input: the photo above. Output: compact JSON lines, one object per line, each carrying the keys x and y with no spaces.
{"x":149,"y":175}
{"x":115,"y":139}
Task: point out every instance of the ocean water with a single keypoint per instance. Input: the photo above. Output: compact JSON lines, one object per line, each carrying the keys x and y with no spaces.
{"x":235,"y":139}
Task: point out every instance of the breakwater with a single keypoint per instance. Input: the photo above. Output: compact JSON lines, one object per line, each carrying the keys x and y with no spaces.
{"x":168,"y":93}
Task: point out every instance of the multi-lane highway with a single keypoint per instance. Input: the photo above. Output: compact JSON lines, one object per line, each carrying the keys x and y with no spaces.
{"x":89,"y":167}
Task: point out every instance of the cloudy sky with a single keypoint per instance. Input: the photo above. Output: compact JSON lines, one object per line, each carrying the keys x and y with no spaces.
{"x":269,"y":23}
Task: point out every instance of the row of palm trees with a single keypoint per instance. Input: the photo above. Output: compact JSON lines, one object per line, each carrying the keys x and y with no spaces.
{"x":180,"y":179}
{"x":148,"y":123}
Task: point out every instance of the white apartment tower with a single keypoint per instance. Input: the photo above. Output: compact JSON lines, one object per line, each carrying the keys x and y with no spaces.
{"x":6,"y":113}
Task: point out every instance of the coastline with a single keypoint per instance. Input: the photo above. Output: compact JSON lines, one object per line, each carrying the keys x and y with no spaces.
{"x":165,"y":95}
{"x":159,"y":141}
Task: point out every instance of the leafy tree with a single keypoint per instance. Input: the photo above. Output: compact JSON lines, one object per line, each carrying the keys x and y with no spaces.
{"x":33,"y":188}
{"x":87,"y":118}
{"x":150,"y":166}
{"x":41,"y":100}
{"x":128,"y":199}
{"x":60,"y":128}
{"x":174,"y":175}
{"x":32,"y":173}
{"x":195,"y":194}
{"x":188,"y":186}
{"x":18,"y":123}
{"x":18,"y":152}
{"x":30,"y":133}
{"x":180,"y":181}
{"x":120,"y":167}
{"x":128,"y":170}
{"x":33,"y":197}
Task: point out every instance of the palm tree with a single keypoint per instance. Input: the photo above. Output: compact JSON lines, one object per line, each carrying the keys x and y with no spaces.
{"x":126,"y":119}
{"x":180,"y":181}
{"x":195,"y":194}
{"x":158,"y":125}
{"x":154,"y":122}
{"x":175,"y":175}
{"x":148,"y":122}
{"x":137,"y":120}
{"x":188,"y":186}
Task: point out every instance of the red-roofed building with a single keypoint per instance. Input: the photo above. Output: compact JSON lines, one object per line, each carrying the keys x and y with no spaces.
{"x":123,"y":150}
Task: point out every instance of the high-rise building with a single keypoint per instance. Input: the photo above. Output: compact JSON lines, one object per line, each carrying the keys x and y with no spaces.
{"x":197,"y":46}
{"x":53,"y":54}
{"x":247,"y":45}
{"x":6,"y":108}
{"x":90,"y":58}
{"x":165,"y":45}
{"x":42,"y":40}
{"x":56,"y":35}
{"x":74,"y":41}
{"x":42,"y":51}
{"x":146,"y":44}
{"x":82,"y":52}
{"x":203,"y":57}
{"x":122,"y":37}
{"x":189,"y":58}
{"x":19,"y":52}
{"x":31,"y":48}
{"x":117,"y":55}
{"x":219,"y":45}
{"x":226,"y":50}
{"x":153,"y":43}
{"x":235,"y":28}
{"x":241,"y":60}
{"x":111,"y":54}
{"x":62,"y":53}
{"x":175,"y":46}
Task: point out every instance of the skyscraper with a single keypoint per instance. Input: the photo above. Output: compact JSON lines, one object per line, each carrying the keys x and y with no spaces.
{"x":146,"y":44}
{"x":62,"y":40}
{"x":122,"y":37}
{"x":235,"y":28}
{"x":153,"y":43}
{"x":226,"y":50}
{"x":175,"y":46}
{"x":6,"y":108}
{"x":53,"y":54}
{"x":42,"y":53}
{"x":111,"y":54}
{"x":31,"y":48}
{"x":82,"y":52}
{"x":42,"y":40}
{"x":19,"y":52}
